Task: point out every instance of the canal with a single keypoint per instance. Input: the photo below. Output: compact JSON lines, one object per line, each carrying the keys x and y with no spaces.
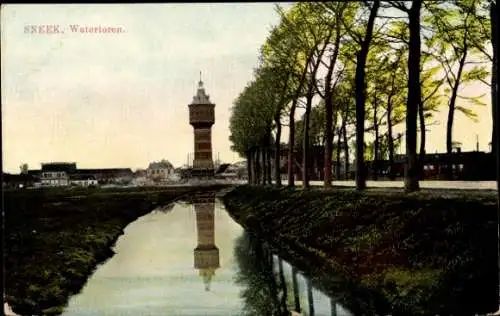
{"x":191,"y":258}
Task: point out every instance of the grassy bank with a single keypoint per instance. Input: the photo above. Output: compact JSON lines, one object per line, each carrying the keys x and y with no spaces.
{"x":382,"y":251}
{"x":55,"y":238}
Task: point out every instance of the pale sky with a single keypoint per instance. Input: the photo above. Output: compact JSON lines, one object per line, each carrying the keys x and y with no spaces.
{"x":120,"y":100}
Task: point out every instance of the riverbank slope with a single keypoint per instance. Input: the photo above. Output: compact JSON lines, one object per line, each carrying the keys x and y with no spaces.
{"x":382,"y":251}
{"x":55,"y":238}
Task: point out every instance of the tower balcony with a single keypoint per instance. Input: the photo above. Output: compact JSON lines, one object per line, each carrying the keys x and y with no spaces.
{"x":206,"y":257}
{"x":201,"y":114}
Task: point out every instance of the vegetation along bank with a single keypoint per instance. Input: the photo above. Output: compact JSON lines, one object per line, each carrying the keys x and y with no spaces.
{"x":383,"y":251}
{"x":55,"y":238}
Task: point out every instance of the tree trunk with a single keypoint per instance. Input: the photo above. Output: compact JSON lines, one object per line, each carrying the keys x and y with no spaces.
{"x":329,"y":109}
{"x":421,"y":159}
{"x":291,"y":124}
{"x":495,"y":141}
{"x":376,"y":142}
{"x":291,"y":142}
{"x":339,"y":146}
{"x":451,"y":116}
{"x":277,"y":155}
{"x":265,"y":160}
{"x":265,"y":170}
{"x":249,"y":166}
{"x":254,"y":166}
{"x":360,"y":98}
{"x":264,"y":166}
{"x":494,"y":75}
{"x":328,"y":140}
{"x":390,"y":140}
{"x":414,"y":97}
{"x":263,"y":157}
{"x":258,"y":168}
{"x":305,"y":146}
{"x":346,"y":144}
{"x":334,"y":175}
{"x":269,"y":159}
{"x":309,"y":97}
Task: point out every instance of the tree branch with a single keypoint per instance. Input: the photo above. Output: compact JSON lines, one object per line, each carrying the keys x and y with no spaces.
{"x":400,"y":6}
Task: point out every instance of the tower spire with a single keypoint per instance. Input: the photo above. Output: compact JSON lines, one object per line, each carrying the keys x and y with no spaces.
{"x":200,"y":83}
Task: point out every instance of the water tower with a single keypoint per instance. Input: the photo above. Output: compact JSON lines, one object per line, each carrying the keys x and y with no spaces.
{"x":202,"y":117}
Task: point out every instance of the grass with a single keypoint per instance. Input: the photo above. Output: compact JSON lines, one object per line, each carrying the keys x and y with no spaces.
{"x":431,"y":252}
{"x":55,"y":238}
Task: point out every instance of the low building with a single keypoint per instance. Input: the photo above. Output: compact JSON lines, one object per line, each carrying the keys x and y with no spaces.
{"x":35,"y":175}
{"x":17,"y":180}
{"x":316,"y":155}
{"x":466,"y":166}
{"x":140,"y":173}
{"x":65,"y":174}
{"x":230,"y":171}
{"x":162,"y":171}
{"x":109,"y":175}
{"x":56,"y":174}
{"x":83,"y":180}
{"x":140,"y":178}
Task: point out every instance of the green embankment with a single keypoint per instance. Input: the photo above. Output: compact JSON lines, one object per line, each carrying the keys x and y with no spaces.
{"x":382,"y":250}
{"x":55,"y":238}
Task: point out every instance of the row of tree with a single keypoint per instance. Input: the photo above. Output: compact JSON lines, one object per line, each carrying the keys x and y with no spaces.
{"x":358,"y":68}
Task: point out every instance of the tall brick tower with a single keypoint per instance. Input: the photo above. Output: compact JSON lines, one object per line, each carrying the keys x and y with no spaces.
{"x":206,"y":253}
{"x":202,"y":117}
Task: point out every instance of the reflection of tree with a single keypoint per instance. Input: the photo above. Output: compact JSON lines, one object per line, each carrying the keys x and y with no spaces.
{"x":284,"y":292}
{"x":310,"y":299}
{"x":333,"y":306}
{"x":166,"y":208}
{"x":296,"y":296}
{"x":256,"y":274}
{"x":290,"y":294}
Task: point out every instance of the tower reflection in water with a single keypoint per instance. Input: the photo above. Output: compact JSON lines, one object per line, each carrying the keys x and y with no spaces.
{"x":206,"y":253}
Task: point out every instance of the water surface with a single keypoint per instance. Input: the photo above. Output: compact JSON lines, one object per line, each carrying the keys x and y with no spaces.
{"x":192,"y":259}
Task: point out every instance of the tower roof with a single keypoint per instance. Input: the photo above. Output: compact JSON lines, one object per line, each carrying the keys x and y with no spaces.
{"x":201,"y":96}
{"x":207,"y":275}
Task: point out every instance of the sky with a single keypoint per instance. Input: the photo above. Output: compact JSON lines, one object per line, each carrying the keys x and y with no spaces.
{"x":121,"y":99}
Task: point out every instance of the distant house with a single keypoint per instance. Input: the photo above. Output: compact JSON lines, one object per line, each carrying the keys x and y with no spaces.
{"x":56,"y":173}
{"x":161,"y":171}
{"x":140,"y":178}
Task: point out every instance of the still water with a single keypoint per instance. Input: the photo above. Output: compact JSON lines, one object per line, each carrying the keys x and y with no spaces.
{"x":194,"y":259}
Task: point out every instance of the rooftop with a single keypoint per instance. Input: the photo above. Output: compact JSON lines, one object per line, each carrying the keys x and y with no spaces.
{"x":81,"y":177}
{"x":105,"y":171}
{"x":59,"y":166}
{"x":201,"y":97}
{"x":160,"y":165}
